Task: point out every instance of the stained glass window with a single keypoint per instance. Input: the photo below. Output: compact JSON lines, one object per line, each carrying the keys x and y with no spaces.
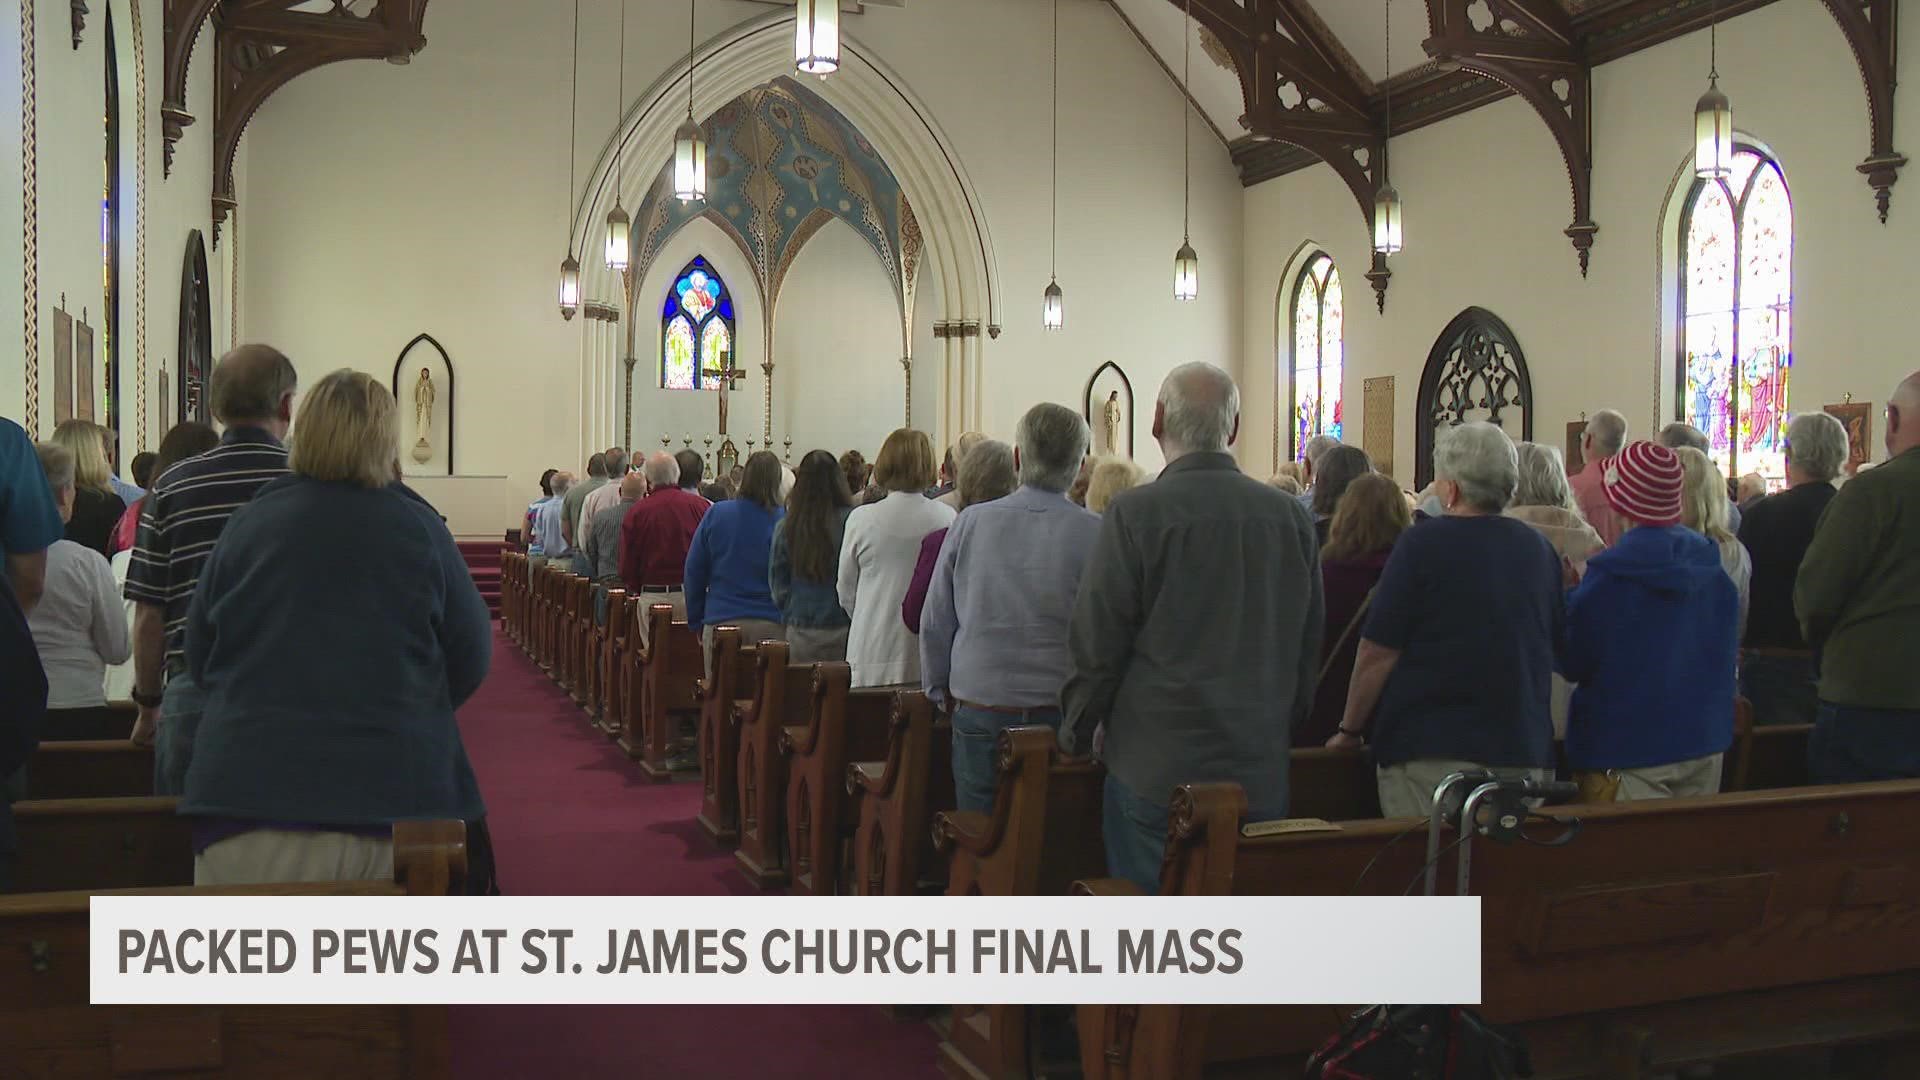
{"x":696,"y":330}
{"x":1318,"y":318}
{"x":1736,"y":307}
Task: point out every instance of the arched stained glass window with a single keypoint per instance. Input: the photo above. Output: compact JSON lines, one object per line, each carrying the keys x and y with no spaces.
{"x":1736,"y":314}
{"x":696,"y":340}
{"x":1319,"y":319}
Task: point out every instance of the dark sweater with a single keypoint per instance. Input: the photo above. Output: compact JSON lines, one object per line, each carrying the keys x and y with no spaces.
{"x":1348,"y":581}
{"x":95,"y":514}
{"x":1776,"y":531}
{"x":334,"y":631}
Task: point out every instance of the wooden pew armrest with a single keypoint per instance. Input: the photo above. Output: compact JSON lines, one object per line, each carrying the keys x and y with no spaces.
{"x":1106,"y":886}
{"x":969,"y":831}
{"x":869,"y":778}
{"x":797,"y":739}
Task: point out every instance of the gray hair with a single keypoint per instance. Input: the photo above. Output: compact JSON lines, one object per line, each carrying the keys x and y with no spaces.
{"x":562,"y":483}
{"x":1608,"y":430}
{"x":1199,"y":407}
{"x":1678,"y":434}
{"x":58,"y":463}
{"x":1543,"y":477}
{"x":986,"y":473}
{"x":1052,"y":441}
{"x":1817,"y":443}
{"x":662,"y":470}
{"x":1480,"y":459}
{"x":616,"y":464}
{"x":1317,"y":448}
{"x":249,"y":383}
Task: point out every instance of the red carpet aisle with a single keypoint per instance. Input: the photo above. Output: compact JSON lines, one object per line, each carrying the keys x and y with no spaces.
{"x":571,"y":816}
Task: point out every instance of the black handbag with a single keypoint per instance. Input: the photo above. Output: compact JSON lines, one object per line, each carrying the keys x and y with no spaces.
{"x":1420,"y":1042}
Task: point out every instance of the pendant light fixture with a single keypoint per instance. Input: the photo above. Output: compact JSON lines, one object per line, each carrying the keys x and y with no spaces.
{"x":816,"y":37}
{"x":570,"y":266}
{"x":1053,"y":315}
{"x":1387,"y":235}
{"x":619,"y":225}
{"x":1186,"y":264}
{"x":689,"y":145}
{"x":1713,"y":115}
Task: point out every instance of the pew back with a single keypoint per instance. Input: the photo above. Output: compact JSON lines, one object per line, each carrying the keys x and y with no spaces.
{"x":94,"y":769}
{"x":781,"y":696}
{"x":119,"y":843}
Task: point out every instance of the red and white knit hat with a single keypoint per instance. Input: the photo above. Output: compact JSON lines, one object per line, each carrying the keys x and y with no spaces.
{"x":1644,"y":482}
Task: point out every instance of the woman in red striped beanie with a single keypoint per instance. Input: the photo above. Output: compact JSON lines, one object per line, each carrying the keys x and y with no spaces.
{"x":1652,"y":639}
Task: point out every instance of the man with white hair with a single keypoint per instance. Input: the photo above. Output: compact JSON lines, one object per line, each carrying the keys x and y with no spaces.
{"x":1776,"y":669}
{"x":1606,"y":434}
{"x":656,"y":535}
{"x":993,"y":634}
{"x":1195,"y":638}
{"x":549,"y":526}
{"x":1858,"y":599}
{"x":1310,"y":455}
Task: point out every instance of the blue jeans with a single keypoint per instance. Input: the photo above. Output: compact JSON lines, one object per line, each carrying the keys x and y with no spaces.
{"x":581,"y":565}
{"x":1781,"y":688}
{"x":1135,"y":831}
{"x":976,"y":732}
{"x":180,"y":710}
{"x":1852,"y":745}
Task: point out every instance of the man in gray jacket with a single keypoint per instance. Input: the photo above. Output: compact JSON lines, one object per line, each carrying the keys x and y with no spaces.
{"x":1196,"y":633}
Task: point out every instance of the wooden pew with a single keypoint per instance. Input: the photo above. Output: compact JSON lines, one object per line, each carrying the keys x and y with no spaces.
{"x":734,"y":664}
{"x":781,"y":692}
{"x":113,"y":720}
{"x":1668,"y":933}
{"x":608,"y":640}
{"x":513,"y":571}
{"x":896,"y":797}
{"x":95,"y":769}
{"x":1333,"y":785}
{"x":48,"y":1028}
{"x":841,"y":725}
{"x":581,"y":632}
{"x":1774,"y":756}
{"x":669,"y":666}
{"x":567,"y":636}
{"x":623,"y":643}
{"x":543,"y":579}
{"x":122,"y":843}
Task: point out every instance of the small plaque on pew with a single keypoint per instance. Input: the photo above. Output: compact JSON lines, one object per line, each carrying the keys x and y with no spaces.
{"x":166,"y":1040}
{"x":1286,"y":826}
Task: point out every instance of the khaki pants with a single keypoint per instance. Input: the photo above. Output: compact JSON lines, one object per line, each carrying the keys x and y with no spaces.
{"x":648,"y":599}
{"x":1678,"y":780}
{"x":1406,"y":790}
{"x":806,"y":645}
{"x":270,"y":856}
{"x":752,"y":632}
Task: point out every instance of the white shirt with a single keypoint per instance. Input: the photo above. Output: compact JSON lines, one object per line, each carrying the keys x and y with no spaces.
{"x":877,"y":559}
{"x":120,"y":676}
{"x":597,"y":500}
{"x":79,"y":626}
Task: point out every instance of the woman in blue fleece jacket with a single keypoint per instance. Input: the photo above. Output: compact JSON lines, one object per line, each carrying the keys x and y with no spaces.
{"x":1652,"y":638}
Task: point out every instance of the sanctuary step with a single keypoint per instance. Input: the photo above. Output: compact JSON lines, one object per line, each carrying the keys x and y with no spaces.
{"x":483,"y":561}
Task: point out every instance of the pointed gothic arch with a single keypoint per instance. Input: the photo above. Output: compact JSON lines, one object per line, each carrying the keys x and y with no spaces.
{"x":1475,"y":371}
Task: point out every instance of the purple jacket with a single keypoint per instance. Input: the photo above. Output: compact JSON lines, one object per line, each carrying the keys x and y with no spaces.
{"x":1347,"y":583}
{"x":915,"y":601}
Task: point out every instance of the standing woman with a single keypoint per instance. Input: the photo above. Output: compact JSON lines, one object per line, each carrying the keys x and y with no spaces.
{"x":877,"y":558}
{"x":96,"y":509}
{"x":806,"y":561}
{"x":1704,"y":510}
{"x":726,"y":574}
{"x":79,"y":625}
{"x":335,"y":630}
{"x":1336,"y":469}
{"x":1372,"y":515}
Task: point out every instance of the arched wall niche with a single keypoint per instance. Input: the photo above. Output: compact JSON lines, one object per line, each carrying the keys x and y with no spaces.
{"x":877,"y":102}
{"x":1475,"y":371}
{"x":421,"y":352}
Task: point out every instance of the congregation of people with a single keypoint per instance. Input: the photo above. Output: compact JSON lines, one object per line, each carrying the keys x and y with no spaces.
{"x":1194,"y":626}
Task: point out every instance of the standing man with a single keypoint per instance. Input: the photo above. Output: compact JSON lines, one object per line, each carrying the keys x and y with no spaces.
{"x":1858,"y":598}
{"x":1196,"y":634}
{"x":601,"y":498}
{"x":549,"y":524}
{"x":603,"y":539}
{"x":29,"y":518}
{"x":571,"y":506}
{"x":692,"y":469}
{"x":654,"y":541}
{"x":1605,"y":436}
{"x":993,"y":635}
{"x":252,"y":394}
{"x":29,"y":524}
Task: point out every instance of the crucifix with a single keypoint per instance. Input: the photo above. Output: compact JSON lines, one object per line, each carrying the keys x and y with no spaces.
{"x":726,"y":375}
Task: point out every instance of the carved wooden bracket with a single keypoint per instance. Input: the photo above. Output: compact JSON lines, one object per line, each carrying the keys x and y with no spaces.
{"x":79,"y":9}
{"x":263,"y":45}
{"x":1869,"y":27}
{"x":180,"y":27}
{"x":1530,"y":47}
{"x":1298,"y":91}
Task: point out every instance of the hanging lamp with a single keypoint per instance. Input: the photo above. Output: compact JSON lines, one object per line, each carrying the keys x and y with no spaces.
{"x":1387,"y":229}
{"x":1713,"y":115}
{"x":1053,"y":314}
{"x":570,"y":266}
{"x":619,"y":225}
{"x":816,"y":37}
{"x":689,"y":144}
{"x":1186,"y":264}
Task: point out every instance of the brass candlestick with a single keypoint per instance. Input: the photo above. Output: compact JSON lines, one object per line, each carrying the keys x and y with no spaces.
{"x":788,"y":444}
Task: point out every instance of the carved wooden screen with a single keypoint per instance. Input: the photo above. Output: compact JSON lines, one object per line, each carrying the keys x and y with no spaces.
{"x":1475,"y":372}
{"x":195,"y":359}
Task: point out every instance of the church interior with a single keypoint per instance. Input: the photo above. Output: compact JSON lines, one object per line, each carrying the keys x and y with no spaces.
{"x":550,"y":228}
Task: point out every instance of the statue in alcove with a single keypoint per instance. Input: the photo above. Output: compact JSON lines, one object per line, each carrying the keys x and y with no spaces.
{"x":1110,"y":414}
{"x":423,"y":397}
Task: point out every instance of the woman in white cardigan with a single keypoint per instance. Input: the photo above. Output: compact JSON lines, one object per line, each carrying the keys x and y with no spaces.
{"x":877,"y":558}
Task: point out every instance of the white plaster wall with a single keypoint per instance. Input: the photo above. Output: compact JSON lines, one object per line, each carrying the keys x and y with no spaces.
{"x":70,"y":95}
{"x":382,"y":201}
{"x":1486,"y":199}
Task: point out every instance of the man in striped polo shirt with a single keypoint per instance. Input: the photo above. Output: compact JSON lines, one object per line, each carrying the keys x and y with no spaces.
{"x":252,"y":394}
